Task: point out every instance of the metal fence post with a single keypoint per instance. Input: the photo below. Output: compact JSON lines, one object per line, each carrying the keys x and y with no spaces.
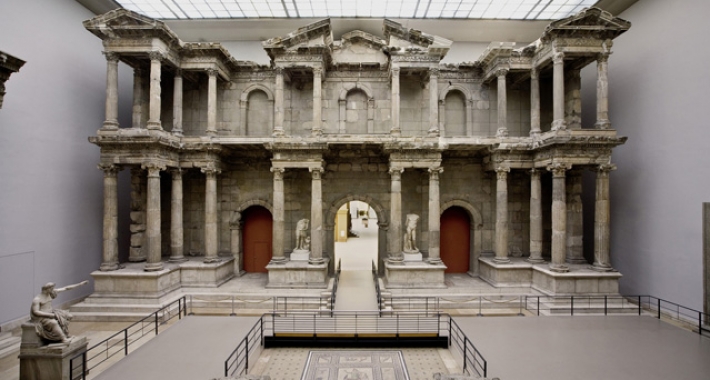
{"x":538,"y":306}
{"x":659,"y":307}
{"x":605,"y":305}
{"x":83,"y":365}
{"x":125,"y":342}
{"x":246,"y":354}
{"x":639,"y":305}
{"x":179,"y":308}
{"x":700,"y":322}
{"x":571,"y":309}
{"x":465,"y":341}
{"x":156,"y":322}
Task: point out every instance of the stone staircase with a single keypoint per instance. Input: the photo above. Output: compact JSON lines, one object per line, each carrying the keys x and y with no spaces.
{"x":9,"y":344}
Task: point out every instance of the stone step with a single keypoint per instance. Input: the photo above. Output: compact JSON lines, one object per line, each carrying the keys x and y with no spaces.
{"x":113,"y":308}
{"x":108,"y":317}
{"x":9,"y":345}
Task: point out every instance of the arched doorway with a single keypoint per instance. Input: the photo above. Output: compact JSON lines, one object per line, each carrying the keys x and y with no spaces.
{"x":356,"y":236}
{"x":256,"y":241}
{"x":455,"y":239}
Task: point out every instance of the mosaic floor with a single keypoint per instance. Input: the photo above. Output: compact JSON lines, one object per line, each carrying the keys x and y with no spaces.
{"x":355,"y":365}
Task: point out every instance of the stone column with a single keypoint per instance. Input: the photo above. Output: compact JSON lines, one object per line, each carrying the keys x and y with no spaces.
{"x":317,"y":109}
{"x":342,"y":108}
{"x":469,"y":117}
{"x":177,"y":245}
{"x":278,"y":104}
{"x":177,"y":104}
{"x":433,"y":102}
{"x":211,"y":236}
{"x":111,"y":121}
{"x":535,"y":105}
{"x":154,"y":107}
{"x":502,"y":215}
{"x":153,"y":262}
{"x":395,"y":238}
{"x":602,"y":220}
{"x":278,"y":217}
{"x":395,"y":128}
{"x":316,"y":256}
{"x":137,"y":118}
{"x":211,"y":102}
{"x":110,"y":247}
{"x":434,"y":216}
{"x":235,"y":227}
{"x":502,"y":104}
{"x":138,"y":249}
{"x":535,"y":217}
{"x":575,"y":218}
{"x":603,"y":90}
{"x":558,"y":92}
{"x":559,"y":218}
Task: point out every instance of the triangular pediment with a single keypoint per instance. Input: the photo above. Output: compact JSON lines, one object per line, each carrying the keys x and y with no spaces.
{"x":122,"y":23}
{"x":589,"y":20}
{"x":358,"y":48}
{"x":316,"y":34}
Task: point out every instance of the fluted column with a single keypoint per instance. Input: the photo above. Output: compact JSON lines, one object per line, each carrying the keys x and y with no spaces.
{"x":154,"y":121}
{"x":395,"y":238}
{"x":177,"y":245}
{"x":278,"y":104}
{"x":575,"y":218}
{"x":434,"y":216}
{"x":211,"y":236}
{"x":211,"y":102}
{"x":558,"y":92}
{"x":602,"y":219}
{"x":137,"y":117}
{"x":502,"y":104}
{"x":110,"y":244}
{"x":395,"y":128}
{"x":317,"y":109}
{"x":316,"y":255}
{"x":535,"y":104}
{"x":433,"y":102}
{"x":153,"y":262}
{"x":111,"y":121}
{"x":535,"y":217}
{"x":502,"y":215}
{"x":559,"y":218}
{"x":278,"y":216}
{"x":177,"y":104}
{"x":603,"y":90}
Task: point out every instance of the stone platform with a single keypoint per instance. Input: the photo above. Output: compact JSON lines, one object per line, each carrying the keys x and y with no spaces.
{"x":581,"y":278}
{"x":414,"y":275}
{"x":298,"y":274}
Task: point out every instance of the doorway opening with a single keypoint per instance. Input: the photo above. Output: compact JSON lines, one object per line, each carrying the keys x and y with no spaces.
{"x":356,"y":236}
{"x":455,"y":239}
{"x":256,"y":241}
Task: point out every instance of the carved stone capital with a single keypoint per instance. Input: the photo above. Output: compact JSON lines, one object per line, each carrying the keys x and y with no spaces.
{"x":156,"y":56}
{"x":433,"y":72}
{"x":603,"y":57}
{"x":278,"y":173}
{"x":605,"y":168}
{"x":534,"y":74}
{"x":111,"y":56}
{"x":501,"y":73}
{"x":210,"y":171}
{"x":558,"y":169}
{"x":316,"y":173}
{"x":435,"y":172}
{"x":235,"y":222}
{"x":535,"y":174}
{"x":396,"y":173}
{"x":502,"y":172}
{"x":176,"y":172}
{"x":153,"y":168}
{"x":558,"y":57}
{"x":110,"y":170}
{"x":395,"y":71}
{"x":317,"y":71}
{"x":212,"y":72}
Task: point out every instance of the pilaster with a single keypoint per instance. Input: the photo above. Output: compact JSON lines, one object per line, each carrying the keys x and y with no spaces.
{"x":395,"y":128}
{"x":177,"y":104}
{"x":317,"y":108}
{"x":395,"y":238}
{"x":433,"y":103}
{"x":535,"y":104}
{"x":316,"y":255}
{"x":575,"y":218}
{"x":603,"y":88}
{"x":278,"y":105}
{"x":137,"y":116}
{"x":278,"y":216}
{"x":434,"y":215}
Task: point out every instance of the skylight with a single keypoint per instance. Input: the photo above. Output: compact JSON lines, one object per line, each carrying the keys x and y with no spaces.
{"x":430,"y":9}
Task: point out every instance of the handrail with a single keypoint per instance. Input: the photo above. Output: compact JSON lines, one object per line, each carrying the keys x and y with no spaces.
{"x":377,"y":287}
{"x":237,"y":363}
{"x":81,"y":364}
{"x":334,"y":291}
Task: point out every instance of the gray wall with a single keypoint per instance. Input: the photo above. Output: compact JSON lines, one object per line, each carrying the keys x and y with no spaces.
{"x":50,"y":189}
{"x":658,"y":83}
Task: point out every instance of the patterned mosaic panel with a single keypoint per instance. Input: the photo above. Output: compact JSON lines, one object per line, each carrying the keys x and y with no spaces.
{"x":355,"y":365}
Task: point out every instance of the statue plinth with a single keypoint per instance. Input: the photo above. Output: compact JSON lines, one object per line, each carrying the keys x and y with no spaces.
{"x":39,"y":360}
{"x":300,"y":255}
{"x":412,"y":255}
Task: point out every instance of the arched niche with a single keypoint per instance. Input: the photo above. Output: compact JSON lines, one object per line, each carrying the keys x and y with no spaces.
{"x":468,"y":101}
{"x":351,"y":89}
{"x":256,"y":111}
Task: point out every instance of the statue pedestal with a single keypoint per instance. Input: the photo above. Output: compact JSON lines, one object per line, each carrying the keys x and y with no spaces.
{"x":39,"y":361}
{"x":412,"y":256}
{"x":414,"y":275}
{"x":300,"y":255}
{"x":298,"y":274}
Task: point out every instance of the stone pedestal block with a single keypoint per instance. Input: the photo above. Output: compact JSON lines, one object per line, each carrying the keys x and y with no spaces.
{"x":298,"y":274}
{"x":133,"y":282}
{"x":206,"y":275}
{"x":39,"y":361}
{"x":414,"y":275}
{"x":516,"y":273}
{"x":300,"y":255}
{"x":409,"y":256}
{"x":579,"y":280}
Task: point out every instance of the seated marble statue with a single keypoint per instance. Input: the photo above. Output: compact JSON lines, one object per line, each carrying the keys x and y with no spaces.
{"x":410,"y":235}
{"x":302,"y":238}
{"x":51,"y":324}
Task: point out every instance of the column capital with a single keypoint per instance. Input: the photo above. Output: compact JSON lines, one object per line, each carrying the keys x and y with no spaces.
{"x":534,"y":73}
{"x":501,"y":73}
{"x":558,"y":169}
{"x":395,"y":70}
{"x":316,"y":173}
{"x":210,"y":171}
{"x":153,"y":168}
{"x":109,"y":169}
{"x":176,"y":171}
{"x":502,"y":172}
{"x":535,"y":173}
{"x":317,"y":71}
{"x":433,"y":72}
{"x":278,"y":173}
{"x":111,"y":56}
{"x":434,"y":172}
{"x":235,"y":222}
{"x":156,"y":56}
{"x":558,"y":57}
{"x":396,"y":173}
{"x":212,"y":72}
{"x":605,"y":168}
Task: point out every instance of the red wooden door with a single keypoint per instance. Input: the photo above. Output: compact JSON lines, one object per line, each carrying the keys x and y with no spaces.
{"x":455,"y":240}
{"x":256,"y":239}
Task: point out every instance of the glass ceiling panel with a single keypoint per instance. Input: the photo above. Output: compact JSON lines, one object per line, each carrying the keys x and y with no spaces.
{"x":432,"y":9}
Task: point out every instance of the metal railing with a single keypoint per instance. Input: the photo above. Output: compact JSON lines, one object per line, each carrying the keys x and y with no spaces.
{"x":333,"y":293}
{"x":671,"y":310}
{"x":118,"y":343}
{"x":376,"y":279}
{"x":237,"y":363}
{"x":353,"y":324}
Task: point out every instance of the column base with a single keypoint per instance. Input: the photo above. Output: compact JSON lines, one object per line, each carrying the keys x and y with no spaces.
{"x":559,"y":125}
{"x":177,"y":133}
{"x":396,"y":132}
{"x":559,"y":268}
{"x":153,"y":267}
{"x":154,"y":125}
{"x":177,"y":259}
{"x":602,"y":124}
{"x":501,"y":260}
{"x":535,"y":135}
{"x":436,"y":261}
{"x":278,"y":260}
{"x":535,"y":260}
{"x":433,"y":133}
{"x":107,"y":267}
{"x":277,"y":133}
{"x":317,"y":132}
{"x":502,"y":132}
{"x":602,"y":267}
{"x":110,"y":125}
{"x":210,"y":133}
{"x":211,"y":259}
